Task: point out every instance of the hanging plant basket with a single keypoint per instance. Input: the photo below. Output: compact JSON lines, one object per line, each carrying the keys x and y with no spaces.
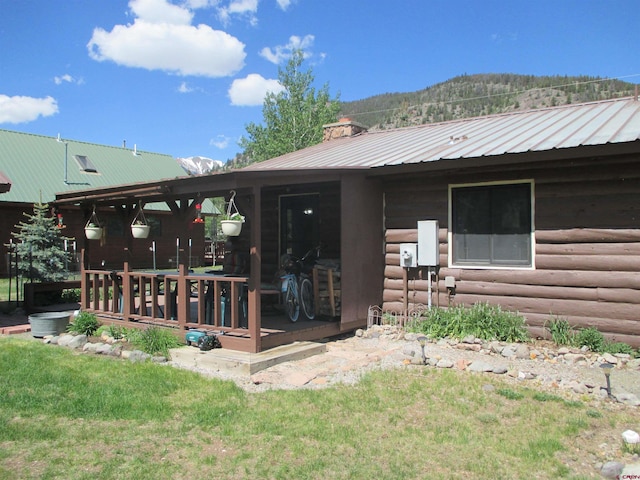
{"x":139,"y":227}
{"x":93,"y":230}
{"x":140,"y":231}
{"x":231,"y":228}
{"x":231,"y":223}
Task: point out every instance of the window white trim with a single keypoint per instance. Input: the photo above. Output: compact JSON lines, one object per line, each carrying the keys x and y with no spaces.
{"x":450,"y":244}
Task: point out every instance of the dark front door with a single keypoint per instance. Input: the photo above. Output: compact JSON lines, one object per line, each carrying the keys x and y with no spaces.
{"x":299,"y":224}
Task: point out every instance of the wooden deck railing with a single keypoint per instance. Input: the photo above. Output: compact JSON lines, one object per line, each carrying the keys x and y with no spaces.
{"x":169,"y":298}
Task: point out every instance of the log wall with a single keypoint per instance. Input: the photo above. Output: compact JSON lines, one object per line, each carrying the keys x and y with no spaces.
{"x":587,"y":246}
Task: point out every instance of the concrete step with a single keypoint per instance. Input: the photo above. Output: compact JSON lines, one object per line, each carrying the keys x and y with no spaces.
{"x":242,"y":363}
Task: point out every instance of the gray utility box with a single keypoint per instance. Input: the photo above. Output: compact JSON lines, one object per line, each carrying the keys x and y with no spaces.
{"x":428,"y":243}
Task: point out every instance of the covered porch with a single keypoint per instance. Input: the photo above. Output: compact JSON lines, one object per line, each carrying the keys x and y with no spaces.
{"x":345,"y":216}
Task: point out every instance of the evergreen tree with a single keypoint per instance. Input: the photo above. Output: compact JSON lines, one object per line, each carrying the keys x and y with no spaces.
{"x":293,"y":118}
{"x":41,"y":256}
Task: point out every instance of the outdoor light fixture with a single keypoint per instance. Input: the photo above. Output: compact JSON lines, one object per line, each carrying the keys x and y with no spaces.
{"x":422,"y":340}
{"x":606,"y":369}
{"x":198,"y":218}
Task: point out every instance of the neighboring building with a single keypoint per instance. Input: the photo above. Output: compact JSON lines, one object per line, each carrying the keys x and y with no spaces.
{"x":39,"y":167}
{"x":537,"y":211}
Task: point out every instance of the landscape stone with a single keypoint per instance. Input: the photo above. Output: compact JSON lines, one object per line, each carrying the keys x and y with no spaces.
{"x":508,"y":351}
{"x":444,"y":363}
{"x":612,"y":470}
{"x":522,"y":351}
{"x":78,"y":341}
{"x":630,"y":471}
{"x":627,"y":398}
{"x":480,"y":366}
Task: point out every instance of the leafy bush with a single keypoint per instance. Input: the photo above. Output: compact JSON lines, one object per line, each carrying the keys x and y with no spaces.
{"x":482,"y":320}
{"x":114,"y":331}
{"x":563,"y":334}
{"x":71,"y":295}
{"x":84,"y":324}
{"x":590,"y":337}
{"x":561,"y":331}
{"x":618,"y":347}
{"x":154,"y":340}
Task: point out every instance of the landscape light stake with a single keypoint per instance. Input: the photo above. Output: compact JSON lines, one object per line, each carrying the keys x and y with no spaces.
{"x":422,"y":340}
{"x":606,"y":369}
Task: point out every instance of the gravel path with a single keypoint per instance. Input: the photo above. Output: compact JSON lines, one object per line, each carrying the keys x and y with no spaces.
{"x":545,"y":365}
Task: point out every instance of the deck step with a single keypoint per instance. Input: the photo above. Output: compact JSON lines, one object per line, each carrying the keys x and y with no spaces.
{"x":243,"y":363}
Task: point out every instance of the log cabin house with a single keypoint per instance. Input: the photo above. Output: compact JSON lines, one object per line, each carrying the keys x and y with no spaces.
{"x":536,"y":211}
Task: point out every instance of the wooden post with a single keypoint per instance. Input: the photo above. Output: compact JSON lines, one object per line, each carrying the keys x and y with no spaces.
{"x":253,"y":301}
{"x":184,"y":299}
{"x":127,"y":294}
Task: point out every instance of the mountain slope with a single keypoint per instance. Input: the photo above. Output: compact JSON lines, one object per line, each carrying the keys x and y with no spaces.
{"x":482,"y":94}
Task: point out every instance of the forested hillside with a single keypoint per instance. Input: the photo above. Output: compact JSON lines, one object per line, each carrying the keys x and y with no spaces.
{"x":475,"y":95}
{"x":471,"y":96}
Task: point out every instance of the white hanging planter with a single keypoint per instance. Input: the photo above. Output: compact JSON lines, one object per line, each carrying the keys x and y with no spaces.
{"x":93,"y":230}
{"x":231,"y":228}
{"x":140,"y":231}
{"x":232,"y":223}
{"x":139,"y":227}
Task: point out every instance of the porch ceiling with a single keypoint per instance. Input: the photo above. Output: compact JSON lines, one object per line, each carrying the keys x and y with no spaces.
{"x":203,"y":186}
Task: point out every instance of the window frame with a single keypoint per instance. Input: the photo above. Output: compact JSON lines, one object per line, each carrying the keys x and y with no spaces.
{"x":491,"y":266}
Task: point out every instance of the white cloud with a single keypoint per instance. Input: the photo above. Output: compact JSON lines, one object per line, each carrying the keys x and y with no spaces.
{"x":21,"y":109}
{"x":241,"y":8}
{"x":162,"y":38}
{"x":250,"y":91}
{"x":220,"y":142}
{"x":160,"y":11}
{"x":282,"y":52}
{"x":184,"y":88}
{"x":67,"y":78}
{"x":284,"y":4}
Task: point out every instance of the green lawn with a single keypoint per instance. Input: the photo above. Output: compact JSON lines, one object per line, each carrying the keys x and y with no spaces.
{"x":72,"y":416}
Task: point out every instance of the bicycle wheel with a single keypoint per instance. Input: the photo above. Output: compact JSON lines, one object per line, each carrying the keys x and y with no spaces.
{"x":291,"y":304}
{"x":306,"y":298}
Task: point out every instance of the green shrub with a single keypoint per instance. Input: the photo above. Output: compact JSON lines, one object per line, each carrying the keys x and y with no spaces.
{"x":154,"y":340}
{"x":481,"y":320}
{"x":618,"y":347}
{"x":114,"y":331}
{"x":561,"y":332}
{"x":590,"y":337}
{"x":84,"y":324}
{"x":71,"y":295}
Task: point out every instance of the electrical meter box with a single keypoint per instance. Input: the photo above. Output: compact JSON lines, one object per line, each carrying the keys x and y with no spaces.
{"x":428,"y":243}
{"x":408,"y":255}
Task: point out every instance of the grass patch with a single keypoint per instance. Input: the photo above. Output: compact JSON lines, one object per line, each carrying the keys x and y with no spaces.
{"x":64,"y":415}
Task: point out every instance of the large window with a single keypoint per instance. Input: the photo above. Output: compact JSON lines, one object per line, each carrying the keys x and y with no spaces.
{"x":491,"y":225}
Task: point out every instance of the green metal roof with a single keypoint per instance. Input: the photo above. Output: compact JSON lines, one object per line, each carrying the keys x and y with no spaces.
{"x":35,"y":165}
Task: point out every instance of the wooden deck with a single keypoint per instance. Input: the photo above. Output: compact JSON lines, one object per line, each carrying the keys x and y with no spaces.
{"x":244,"y":320}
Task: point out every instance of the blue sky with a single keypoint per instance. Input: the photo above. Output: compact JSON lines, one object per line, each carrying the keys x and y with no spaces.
{"x":184,"y":77}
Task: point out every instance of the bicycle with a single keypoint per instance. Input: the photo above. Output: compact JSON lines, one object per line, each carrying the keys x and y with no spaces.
{"x":297,"y":286}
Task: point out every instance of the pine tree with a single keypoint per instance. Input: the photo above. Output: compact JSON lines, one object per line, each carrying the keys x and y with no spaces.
{"x":41,"y":256}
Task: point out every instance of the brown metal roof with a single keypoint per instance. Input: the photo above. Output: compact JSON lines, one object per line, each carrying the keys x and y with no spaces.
{"x":544,"y":129}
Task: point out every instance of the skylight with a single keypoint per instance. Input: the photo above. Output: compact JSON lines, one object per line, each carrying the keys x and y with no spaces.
{"x":85,"y":164}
